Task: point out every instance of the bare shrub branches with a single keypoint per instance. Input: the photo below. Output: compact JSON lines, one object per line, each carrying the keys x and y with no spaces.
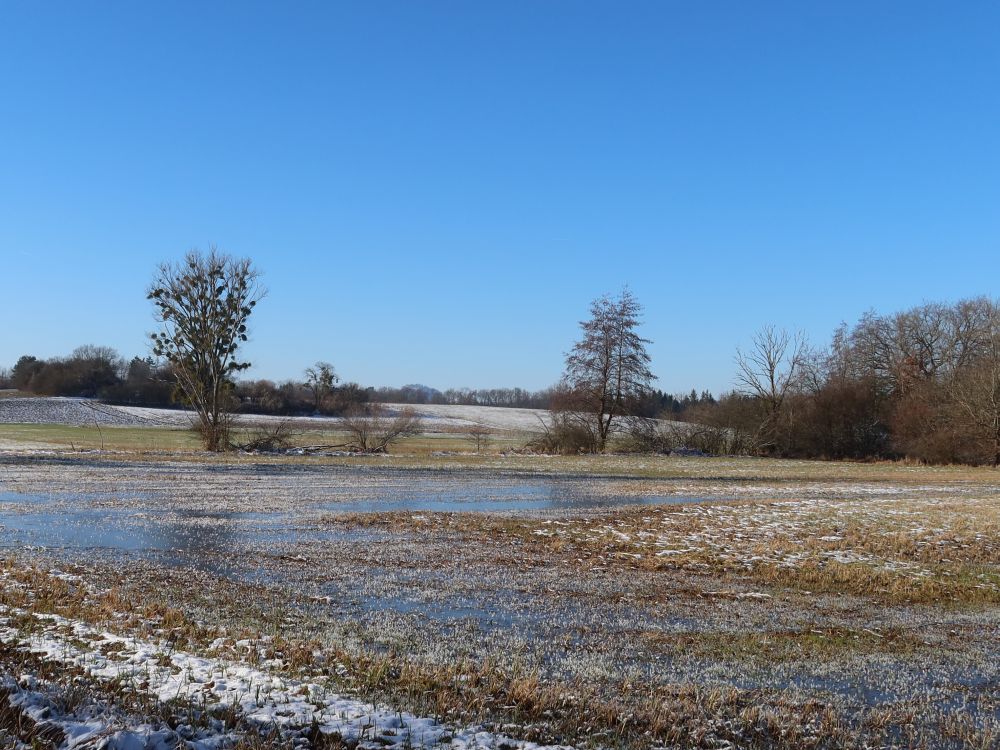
{"x":273,"y":437}
{"x":565,"y":432}
{"x":372,"y":429}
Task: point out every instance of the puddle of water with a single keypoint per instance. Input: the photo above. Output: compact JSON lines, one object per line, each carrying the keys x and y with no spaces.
{"x":79,"y":521}
{"x":537,"y":495}
{"x":131,"y":531}
{"x":19,"y":499}
{"x":486,"y":615}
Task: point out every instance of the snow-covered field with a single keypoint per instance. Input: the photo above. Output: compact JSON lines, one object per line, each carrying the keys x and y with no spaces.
{"x":78,"y":411}
{"x":497,"y":417}
{"x":67,"y":411}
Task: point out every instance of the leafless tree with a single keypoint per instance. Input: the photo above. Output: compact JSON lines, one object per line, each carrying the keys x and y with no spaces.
{"x":373,"y":429}
{"x":767,"y":372}
{"x":609,"y":365}
{"x":769,"y":368}
{"x":973,"y":325}
{"x":203,"y":304}
{"x":976,"y":388}
{"x":915,"y":346}
{"x":479,"y":434}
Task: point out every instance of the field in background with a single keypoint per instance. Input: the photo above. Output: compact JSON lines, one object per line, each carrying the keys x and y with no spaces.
{"x":450,"y":450}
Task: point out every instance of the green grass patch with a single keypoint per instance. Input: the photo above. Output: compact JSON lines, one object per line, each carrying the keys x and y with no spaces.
{"x":106,"y":438}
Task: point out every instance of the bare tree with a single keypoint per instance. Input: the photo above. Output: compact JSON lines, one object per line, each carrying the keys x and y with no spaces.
{"x":973,"y":324}
{"x":609,"y":366}
{"x":374,"y":429}
{"x":976,"y":388}
{"x":320,"y":379}
{"x":479,"y":434}
{"x":767,"y":372}
{"x":203,"y":304}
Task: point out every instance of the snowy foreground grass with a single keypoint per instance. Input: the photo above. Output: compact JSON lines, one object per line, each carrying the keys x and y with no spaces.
{"x":201,"y":701}
{"x":262,"y":604}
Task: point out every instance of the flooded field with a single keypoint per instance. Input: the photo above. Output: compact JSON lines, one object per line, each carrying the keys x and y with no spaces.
{"x":138,"y":520}
{"x":724,"y":610}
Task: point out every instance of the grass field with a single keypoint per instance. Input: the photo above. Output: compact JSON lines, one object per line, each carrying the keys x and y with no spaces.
{"x":450,"y":450}
{"x":184,"y":442}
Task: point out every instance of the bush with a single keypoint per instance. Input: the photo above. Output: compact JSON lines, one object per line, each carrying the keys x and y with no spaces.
{"x":564,"y":433}
{"x":373,"y":428}
{"x":651,"y":436}
{"x":268,"y":438}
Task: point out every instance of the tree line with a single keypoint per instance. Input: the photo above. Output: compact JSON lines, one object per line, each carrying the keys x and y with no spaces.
{"x":100,"y":372}
{"x":94,"y":372}
{"x":920,"y":384}
{"x":923,"y":383}
{"x":516,"y":398}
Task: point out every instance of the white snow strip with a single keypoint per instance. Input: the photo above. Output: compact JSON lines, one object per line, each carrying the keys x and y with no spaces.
{"x":262,"y":697}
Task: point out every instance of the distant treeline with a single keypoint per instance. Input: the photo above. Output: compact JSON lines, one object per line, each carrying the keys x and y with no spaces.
{"x":655,"y":403}
{"x":509,"y":397}
{"x":95,"y":372}
{"x":99,"y":372}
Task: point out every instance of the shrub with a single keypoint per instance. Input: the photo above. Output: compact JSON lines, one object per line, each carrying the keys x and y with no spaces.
{"x":566,"y":433}
{"x":373,"y":428}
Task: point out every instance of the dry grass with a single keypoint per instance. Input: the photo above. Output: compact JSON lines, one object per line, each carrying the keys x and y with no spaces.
{"x":819,"y":642}
{"x":502,"y":698}
{"x":892,"y":549}
{"x":448,"y":449}
{"x":15,"y":724}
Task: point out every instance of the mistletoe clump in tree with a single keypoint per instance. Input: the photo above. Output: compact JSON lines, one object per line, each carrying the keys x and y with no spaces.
{"x":203,"y":304}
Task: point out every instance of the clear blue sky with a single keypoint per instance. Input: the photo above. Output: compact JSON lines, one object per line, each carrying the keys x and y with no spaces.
{"x":436,"y":190}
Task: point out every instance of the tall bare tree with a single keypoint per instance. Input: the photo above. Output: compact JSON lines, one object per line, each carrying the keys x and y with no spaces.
{"x":203,"y":304}
{"x":610,"y":365}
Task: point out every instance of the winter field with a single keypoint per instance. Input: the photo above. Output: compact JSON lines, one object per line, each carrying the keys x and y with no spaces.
{"x":85,"y":412}
{"x":152,"y":596}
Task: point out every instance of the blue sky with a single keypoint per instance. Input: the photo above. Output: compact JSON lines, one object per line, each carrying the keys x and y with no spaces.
{"x":436,"y":190}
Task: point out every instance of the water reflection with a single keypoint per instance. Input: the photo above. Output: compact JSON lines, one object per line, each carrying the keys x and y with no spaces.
{"x":163,"y":524}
